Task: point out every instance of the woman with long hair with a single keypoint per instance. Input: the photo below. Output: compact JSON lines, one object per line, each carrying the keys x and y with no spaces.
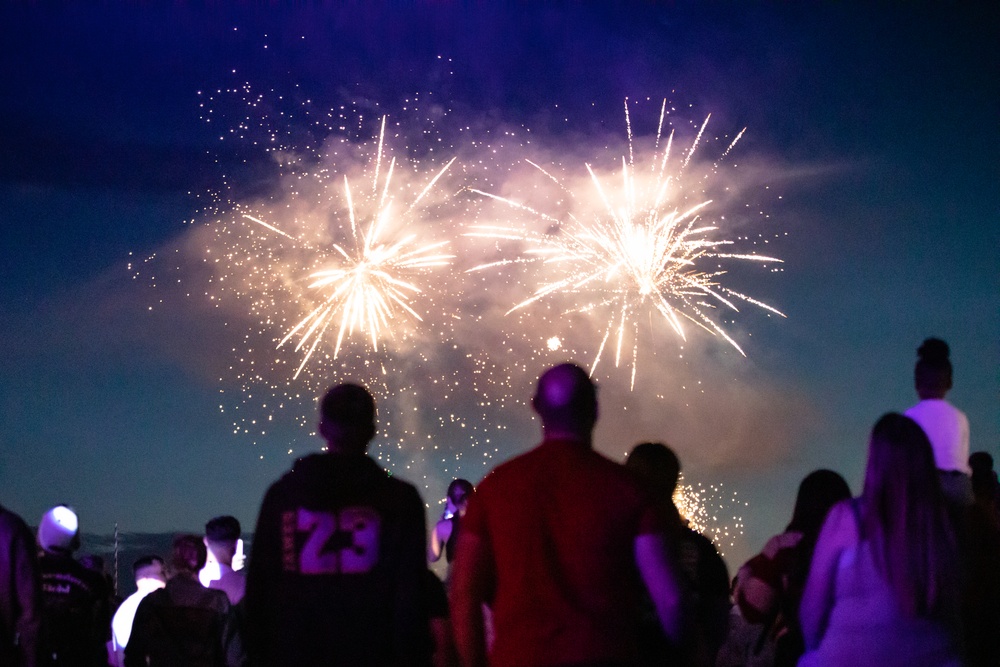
{"x":883,"y":584}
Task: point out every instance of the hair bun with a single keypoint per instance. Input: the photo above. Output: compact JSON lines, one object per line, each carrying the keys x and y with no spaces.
{"x":933,"y":350}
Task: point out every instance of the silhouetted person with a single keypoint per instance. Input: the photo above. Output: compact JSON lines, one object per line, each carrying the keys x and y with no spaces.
{"x":222,"y":534}
{"x":981,"y":542}
{"x":149,"y":576}
{"x":445,"y":533}
{"x":558,"y":542}
{"x":883,"y":585}
{"x":20,"y":593}
{"x":338,"y":568}
{"x":946,"y":426}
{"x":769,"y":586}
{"x":985,"y":487}
{"x":705,"y":573}
{"x":185,"y":624}
{"x":77,"y":617}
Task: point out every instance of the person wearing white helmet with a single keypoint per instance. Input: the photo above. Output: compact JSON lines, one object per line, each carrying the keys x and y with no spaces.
{"x":75,"y":599}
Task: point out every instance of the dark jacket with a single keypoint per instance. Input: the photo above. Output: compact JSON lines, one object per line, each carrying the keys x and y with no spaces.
{"x":77,"y":612}
{"x":20,"y":593}
{"x":184,"y":625}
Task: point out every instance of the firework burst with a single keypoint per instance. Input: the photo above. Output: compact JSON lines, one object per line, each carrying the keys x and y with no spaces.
{"x":365,"y":285}
{"x":644,"y":248}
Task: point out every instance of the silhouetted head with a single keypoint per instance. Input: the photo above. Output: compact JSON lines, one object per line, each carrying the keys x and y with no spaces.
{"x":188,"y":555}
{"x":148,"y":571}
{"x":221,"y":535}
{"x":566,"y":401}
{"x":980,"y":462}
{"x":347,"y":418}
{"x":150,"y":566}
{"x":223,"y":529}
{"x":985,"y":486}
{"x":657,"y":466}
{"x":819,"y":491}
{"x":932,"y":374}
{"x":459,"y":491}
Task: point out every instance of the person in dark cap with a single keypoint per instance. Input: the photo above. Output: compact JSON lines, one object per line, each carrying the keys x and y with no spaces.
{"x":222,"y":535}
{"x":337,"y":572}
{"x":559,"y":543}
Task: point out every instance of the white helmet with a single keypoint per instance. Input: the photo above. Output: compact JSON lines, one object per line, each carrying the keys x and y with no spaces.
{"x":59,"y":530}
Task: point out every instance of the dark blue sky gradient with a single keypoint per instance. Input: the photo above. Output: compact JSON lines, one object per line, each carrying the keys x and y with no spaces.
{"x":884,"y":120}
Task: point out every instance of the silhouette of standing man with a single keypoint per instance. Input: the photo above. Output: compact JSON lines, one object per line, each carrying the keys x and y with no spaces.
{"x":559,"y":542}
{"x":337,"y":568}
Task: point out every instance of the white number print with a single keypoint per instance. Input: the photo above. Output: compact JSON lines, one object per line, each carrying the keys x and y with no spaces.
{"x":338,"y":543}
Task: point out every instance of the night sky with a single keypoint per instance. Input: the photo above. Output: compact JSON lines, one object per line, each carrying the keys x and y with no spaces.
{"x":872,"y":146}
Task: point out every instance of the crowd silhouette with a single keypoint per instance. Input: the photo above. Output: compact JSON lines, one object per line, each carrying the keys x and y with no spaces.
{"x":558,"y":557}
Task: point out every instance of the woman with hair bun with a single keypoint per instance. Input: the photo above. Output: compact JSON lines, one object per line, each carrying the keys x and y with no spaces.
{"x":946,"y":426}
{"x":883,"y":585}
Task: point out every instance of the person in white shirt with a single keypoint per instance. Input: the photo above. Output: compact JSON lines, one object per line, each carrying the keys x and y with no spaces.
{"x":149,"y":576}
{"x":222,"y":535}
{"x":946,"y":426}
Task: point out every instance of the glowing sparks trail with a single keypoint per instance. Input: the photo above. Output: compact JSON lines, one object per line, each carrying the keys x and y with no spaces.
{"x":705,"y":509}
{"x":638,"y":251}
{"x":366,"y":287}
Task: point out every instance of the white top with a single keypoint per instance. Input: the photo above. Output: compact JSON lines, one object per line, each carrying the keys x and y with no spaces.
{"x":121,"y":623}
{"x":947,"y":428}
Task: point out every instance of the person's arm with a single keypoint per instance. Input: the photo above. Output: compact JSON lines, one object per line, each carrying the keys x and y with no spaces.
{"x":839,"y":532}
{"x":471,"y":582}
{"x":759,"y":582}
{"x":662,"y":582}
{"x":439,"y":538}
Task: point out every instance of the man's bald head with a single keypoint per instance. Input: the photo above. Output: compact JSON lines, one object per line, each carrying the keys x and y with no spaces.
{"x":566,"y":400}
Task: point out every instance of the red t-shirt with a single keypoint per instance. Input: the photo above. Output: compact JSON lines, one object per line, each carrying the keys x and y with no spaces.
{"x":560,"y":522}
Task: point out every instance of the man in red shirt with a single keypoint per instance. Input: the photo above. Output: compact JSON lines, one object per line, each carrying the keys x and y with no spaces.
{"x":558,"y":542}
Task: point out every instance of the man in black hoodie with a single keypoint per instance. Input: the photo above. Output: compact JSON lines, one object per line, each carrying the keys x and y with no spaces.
{"x":336,"y":573}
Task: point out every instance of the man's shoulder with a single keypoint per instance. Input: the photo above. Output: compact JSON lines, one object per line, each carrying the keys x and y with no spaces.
{"x":511,"y":469}
{"x":401,"y":489}
{"x":11,"y":524}
{"x":567,"y":465}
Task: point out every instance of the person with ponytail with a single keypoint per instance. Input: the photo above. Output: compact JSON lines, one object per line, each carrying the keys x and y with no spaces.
{"x":884,"y":581}
{"x":946,"y":426}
